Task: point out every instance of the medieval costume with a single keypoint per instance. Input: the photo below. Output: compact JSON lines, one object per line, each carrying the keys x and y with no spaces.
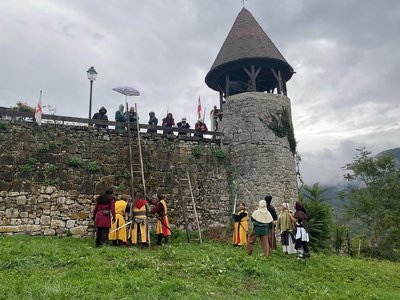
{"x":139,"y":234}
{"x":119,"y":236}
{"x":184,"y":125}
{"x":302,"y":238}
{"x":133,"y":119}
{"x":262,"y":220}
{"x":271,"y":233}
{"x":200,"y":129}
{"x":162,"y":226}
{"x":103,"y":212}
{"x":120,"y":117}
{"x":286,"y":226}
{"x":240,"y":227}
{"x":153,"y":121}
{"x":101,"y":115}
{"x":168,"y":121}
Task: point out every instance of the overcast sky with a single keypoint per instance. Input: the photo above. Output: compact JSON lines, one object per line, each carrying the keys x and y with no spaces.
{"x":345,"y":94}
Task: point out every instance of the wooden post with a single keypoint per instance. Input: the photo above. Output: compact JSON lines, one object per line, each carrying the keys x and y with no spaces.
{"x":253,"y":78}
{"x":140,"y":150}
{"x":221,"y":101}
{"x":284,"y":87}
{"x":130,"y":150}
{"x":227,"y":84}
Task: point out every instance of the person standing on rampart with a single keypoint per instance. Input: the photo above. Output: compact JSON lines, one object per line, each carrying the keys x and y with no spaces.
{"x":153,"y":121}
{"x":168,"y":121}
{"x":184,"y":125}
{"x":120,"y":117}
{"x":101,"y":115}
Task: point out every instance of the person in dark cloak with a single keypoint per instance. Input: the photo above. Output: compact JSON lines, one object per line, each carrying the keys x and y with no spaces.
{"x":271,"y":233}
{"x":101,"y":115}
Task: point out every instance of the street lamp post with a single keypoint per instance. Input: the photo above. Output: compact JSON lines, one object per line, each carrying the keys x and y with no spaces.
{"x":91,"y":74}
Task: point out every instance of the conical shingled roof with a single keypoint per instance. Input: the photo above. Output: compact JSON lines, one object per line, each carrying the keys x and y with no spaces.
{"x":246,"y":42}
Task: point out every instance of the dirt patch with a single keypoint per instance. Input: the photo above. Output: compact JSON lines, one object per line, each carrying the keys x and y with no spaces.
{"x":218,"y":234}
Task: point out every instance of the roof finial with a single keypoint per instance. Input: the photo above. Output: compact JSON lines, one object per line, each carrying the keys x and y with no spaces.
{"x":243,"y":1}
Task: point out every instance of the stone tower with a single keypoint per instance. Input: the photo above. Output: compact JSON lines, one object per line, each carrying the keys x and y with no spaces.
{"x":250,"y":75}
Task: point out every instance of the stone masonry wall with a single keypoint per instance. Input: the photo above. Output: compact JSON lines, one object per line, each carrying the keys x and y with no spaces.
{"x":50,"y":176}
{"x":260,"y":161}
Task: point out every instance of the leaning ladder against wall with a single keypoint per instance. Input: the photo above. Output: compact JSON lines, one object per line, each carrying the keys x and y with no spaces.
{"x":132,"y":171}
{"x":184,"y":185}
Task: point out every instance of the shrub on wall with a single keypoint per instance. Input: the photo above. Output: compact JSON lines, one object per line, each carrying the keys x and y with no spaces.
{"x":74,"y":161}
{"x":93,"y":167}
{"x":220,"y":154}
{"x":29,"y":166}
{"x":196,"y":152}
{"x":43,"y":148}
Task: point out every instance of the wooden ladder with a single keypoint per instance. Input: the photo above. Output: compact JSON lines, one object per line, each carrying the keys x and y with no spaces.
{"x":184,"y":184}
{"x":134,"y":166}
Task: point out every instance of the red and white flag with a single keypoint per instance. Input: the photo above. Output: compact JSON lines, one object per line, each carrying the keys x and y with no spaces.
{"x":199,"y":109}
{"x":38,"y":113}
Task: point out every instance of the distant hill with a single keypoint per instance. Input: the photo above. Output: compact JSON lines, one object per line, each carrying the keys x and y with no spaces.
{"x":395,"y":152}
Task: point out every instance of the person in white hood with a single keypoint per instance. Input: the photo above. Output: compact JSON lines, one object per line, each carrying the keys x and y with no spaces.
{"x":262,"y":220}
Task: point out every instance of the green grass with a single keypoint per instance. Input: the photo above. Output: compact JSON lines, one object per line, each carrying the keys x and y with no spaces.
{"x":72,"y":268}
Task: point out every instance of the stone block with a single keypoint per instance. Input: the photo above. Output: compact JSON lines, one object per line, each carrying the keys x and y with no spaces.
{"x":21,"y":200}
{"x":4,"y":186}
{"x":57,"y":224}
{"x":50,"y":189}
{"x":45,"y":220}
{"x":80,"y":216}
{"x":70,"y":224}
{"x":19,"y":228}
{"x":49,"y":231}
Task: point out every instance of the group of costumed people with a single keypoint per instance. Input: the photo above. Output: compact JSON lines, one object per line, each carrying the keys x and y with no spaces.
{"x":111,"y":215}
{"x":293,"y":228}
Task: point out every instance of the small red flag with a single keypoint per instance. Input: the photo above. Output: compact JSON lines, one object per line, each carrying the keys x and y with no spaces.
{"x":199,"y":109}
{"x":38,"y":113}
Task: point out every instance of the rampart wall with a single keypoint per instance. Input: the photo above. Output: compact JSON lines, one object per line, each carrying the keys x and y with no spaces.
{"x":50,"y":175}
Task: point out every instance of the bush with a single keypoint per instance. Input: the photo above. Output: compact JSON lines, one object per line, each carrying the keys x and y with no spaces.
{"x":196,"y":152}
{"x":52,"y":168}
{"x":23,"y":106}
{"x":29,"y":166}
{"x":3,"y":126}
{"x":125,"y":174}
{"x":74,"y":161}
{"x":93,"y":167}
{"x":26,"y":168}
{"x":52,"y":182}
{"x":220,"y":154}
{"x":43,"y":148}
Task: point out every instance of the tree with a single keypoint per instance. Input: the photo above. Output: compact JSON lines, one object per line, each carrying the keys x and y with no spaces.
{"x":374,"y":198}
{"x":319,"y":216}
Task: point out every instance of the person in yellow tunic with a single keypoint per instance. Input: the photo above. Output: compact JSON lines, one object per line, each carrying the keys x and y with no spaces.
{"x":286,"y":227}
{"x":162,"y":227}
{"x":139,"y":234}
{"x":240,"y":227}
{"x":118,"y":237}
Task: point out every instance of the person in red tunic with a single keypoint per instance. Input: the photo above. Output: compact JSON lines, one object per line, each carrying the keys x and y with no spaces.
{"x":103,"y":212}
{"x":162,"y":226}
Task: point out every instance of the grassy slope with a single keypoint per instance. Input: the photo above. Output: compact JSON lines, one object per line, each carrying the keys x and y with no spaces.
{"x":70,"y":268}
